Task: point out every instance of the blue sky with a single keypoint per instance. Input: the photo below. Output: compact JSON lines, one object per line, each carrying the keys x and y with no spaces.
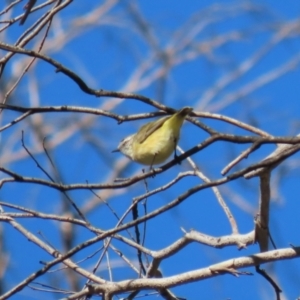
{"x":107,"y":54}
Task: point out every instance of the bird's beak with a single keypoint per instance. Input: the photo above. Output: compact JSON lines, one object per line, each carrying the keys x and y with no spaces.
{"x":116,"y":150}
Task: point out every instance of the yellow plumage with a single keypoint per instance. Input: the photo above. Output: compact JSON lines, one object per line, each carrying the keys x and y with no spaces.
{"x":156,"y":140}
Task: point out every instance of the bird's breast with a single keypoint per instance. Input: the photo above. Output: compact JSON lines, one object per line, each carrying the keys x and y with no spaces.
{"x":156,"y":148}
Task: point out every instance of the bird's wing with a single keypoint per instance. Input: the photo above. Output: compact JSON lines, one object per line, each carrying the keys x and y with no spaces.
{"x":146,"y":130}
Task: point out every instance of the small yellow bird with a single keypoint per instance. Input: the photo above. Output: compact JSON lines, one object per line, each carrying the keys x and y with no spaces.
{"x":155,"y":141}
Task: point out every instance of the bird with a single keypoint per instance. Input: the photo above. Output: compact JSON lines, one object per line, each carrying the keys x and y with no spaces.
{"x":155,"y":141}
